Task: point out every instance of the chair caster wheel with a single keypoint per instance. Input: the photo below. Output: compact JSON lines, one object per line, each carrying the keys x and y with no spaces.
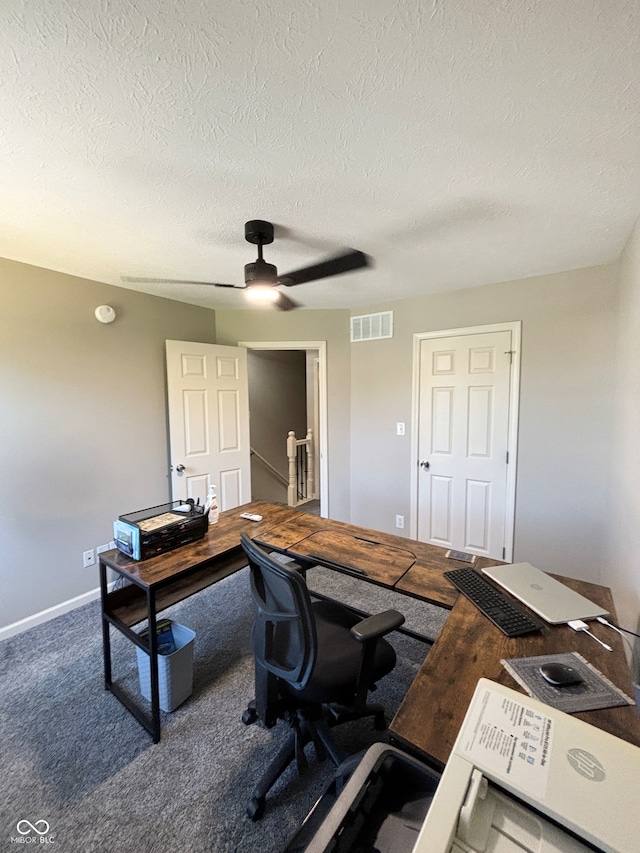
{"x":250,"y":716}
{"x":255,"y":809}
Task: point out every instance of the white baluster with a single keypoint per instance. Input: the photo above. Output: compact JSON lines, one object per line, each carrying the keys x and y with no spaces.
{"x":310,"y":465}
{"x":292,"y":498}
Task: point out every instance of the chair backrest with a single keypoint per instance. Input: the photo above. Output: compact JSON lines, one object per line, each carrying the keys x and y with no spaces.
{"x":284,"y":632}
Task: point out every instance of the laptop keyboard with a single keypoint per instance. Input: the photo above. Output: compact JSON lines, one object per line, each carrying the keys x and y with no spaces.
{"x":505,"y":614}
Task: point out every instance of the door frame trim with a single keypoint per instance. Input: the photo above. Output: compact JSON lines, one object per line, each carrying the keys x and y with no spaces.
{"x":321,"y":347}
{"x":515,"y":328}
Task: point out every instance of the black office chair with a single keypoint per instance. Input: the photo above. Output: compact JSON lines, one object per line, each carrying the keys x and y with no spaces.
{"x":315,"y":662}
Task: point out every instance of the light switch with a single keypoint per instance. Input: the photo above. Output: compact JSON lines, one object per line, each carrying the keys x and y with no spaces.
{"x":399,"y":428}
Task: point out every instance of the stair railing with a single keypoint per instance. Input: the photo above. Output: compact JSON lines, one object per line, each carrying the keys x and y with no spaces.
{"x":301,"y":466}
{"x":277,"y":474}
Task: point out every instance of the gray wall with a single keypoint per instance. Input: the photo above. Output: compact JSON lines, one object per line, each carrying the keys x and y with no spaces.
{"x":569,"y":326}
{"x":83,"y":427}
{"x":567,"y":378}
{"x":623,"y":564}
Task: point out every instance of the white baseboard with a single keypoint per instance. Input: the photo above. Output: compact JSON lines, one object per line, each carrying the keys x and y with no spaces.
{"x":49,"y":613}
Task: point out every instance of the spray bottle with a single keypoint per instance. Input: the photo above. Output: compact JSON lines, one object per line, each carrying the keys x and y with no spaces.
{"x":212,"y":504}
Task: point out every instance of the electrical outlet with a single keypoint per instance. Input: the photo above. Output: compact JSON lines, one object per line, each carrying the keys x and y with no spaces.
{"x":88,"y":558}
{"x":399,"y":428}
{"x":400,"y":522}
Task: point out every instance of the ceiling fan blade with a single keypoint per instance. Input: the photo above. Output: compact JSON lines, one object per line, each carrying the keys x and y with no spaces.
{"x":351,"y":260}
{"x":136,"y":280}
{"x":284,"y":303}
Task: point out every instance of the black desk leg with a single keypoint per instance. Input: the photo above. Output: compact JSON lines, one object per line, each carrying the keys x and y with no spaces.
{"x":153,"y":666}
{"x":151,"y":647}
{"x":106,"y":638}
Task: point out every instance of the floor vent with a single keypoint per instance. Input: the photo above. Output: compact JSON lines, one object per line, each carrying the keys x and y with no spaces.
{"x":372,"y":327}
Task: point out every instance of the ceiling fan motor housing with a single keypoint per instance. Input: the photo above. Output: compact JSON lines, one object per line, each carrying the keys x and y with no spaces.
{"x":260,"y":272}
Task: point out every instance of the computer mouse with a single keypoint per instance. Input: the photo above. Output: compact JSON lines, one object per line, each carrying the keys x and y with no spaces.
{"x":560,"y":674}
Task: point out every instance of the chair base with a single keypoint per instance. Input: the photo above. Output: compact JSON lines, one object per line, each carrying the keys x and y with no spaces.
{"x":305,"y":730}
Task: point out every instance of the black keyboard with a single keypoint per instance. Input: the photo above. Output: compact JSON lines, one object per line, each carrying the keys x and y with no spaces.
{"x":505,"y":614}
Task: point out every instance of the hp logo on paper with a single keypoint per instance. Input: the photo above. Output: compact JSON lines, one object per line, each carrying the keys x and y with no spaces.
{"x":32,"y":833}
{"x":586,"y":765}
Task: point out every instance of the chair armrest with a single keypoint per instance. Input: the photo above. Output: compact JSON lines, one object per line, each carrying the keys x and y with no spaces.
{"x":377,"y":626}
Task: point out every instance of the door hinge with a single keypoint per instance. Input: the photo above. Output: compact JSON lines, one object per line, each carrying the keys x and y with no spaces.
{"x":507,"y":457}
{"x":504,"y":553}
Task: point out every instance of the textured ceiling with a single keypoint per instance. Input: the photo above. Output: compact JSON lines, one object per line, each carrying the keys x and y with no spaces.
{"x":458,"y":142}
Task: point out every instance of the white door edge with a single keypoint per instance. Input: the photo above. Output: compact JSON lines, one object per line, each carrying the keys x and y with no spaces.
{"x":321,"y":346}
{"x":514,"y":393}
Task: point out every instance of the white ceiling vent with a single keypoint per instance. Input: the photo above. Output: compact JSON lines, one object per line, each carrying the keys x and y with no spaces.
{"x":372,"y":327}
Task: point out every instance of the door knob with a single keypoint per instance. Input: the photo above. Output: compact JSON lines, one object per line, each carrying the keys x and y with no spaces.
{"x":424,"y":464}
{"x":179,"y":468}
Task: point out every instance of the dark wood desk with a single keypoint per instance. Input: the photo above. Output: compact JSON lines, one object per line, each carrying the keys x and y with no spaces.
{"x":410,"y":567}
{"x":468,"y":647}
{"x":159,"y":582}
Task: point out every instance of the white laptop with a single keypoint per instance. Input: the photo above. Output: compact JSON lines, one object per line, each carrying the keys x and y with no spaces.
{"x":523,"y":776}
{"x":547,"y":597}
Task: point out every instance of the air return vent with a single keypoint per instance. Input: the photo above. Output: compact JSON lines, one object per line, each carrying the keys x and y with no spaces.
{"x":372,"y":327}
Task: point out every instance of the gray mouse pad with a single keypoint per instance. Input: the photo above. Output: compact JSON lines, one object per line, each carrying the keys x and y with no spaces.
{"x":596,"y":691}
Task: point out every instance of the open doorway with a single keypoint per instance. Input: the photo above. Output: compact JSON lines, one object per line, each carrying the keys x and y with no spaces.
{"x":287,"y":393}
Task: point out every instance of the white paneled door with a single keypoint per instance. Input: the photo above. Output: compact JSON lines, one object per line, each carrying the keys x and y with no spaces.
{"x":463,"y":439}
{"x":208,"y":400}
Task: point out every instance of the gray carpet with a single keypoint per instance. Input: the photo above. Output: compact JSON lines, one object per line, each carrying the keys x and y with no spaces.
{"x":73,"y":756}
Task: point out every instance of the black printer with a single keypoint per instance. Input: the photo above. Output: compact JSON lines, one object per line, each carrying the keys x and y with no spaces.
{"x":161,"y":528}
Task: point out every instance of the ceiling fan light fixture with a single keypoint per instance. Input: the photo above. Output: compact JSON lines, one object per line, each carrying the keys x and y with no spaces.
{"x":262,"y":293}
{"x":261,"y":278}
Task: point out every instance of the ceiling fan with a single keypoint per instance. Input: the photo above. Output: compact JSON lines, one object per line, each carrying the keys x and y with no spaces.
{"x":261,"y":279}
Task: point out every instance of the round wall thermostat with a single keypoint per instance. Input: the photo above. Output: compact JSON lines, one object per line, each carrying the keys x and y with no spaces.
{"x":105,"y":314}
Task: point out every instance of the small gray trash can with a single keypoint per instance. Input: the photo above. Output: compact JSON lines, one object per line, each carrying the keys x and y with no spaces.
{"x":175,"y":671}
